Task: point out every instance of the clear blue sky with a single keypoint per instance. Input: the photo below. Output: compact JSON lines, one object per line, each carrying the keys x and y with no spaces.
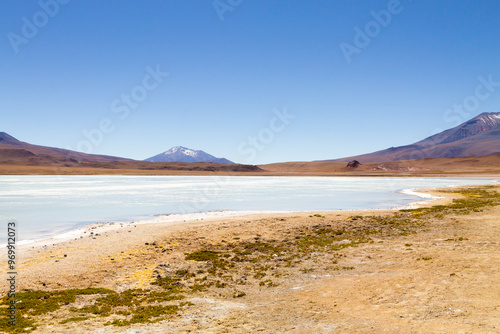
{"x":232,"y":65}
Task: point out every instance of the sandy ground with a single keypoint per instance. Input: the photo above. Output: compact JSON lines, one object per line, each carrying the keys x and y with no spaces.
{"x":442,"y":279}
{"x":470,"y":166}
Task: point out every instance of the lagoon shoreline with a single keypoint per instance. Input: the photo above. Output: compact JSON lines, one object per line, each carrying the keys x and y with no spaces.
{"x":384,"y":285}
{"x":98,"y":228}
{"x":321,"y":194}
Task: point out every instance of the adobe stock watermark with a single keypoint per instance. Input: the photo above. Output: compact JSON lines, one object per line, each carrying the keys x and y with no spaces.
{"x":12,"y":270}
{"x":206,"y":195}
{"x":250,"y":147}
{"x":122,"y":107}
{"x":223,"y":6}
{"x":31,"y":26}
{"x":364,"y":36}
{"x":460,"y":112}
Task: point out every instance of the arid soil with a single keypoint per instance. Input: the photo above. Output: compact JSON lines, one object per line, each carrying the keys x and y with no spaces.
{"x":487,"y":165}
{"x":445,"y":166}
{"x":392,"y":271}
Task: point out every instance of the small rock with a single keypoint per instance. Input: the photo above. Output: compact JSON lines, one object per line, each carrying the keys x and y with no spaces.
{"x":353,"y":164}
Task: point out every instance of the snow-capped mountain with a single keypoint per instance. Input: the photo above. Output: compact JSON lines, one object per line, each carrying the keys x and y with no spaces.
{"x":478,"y":136}
{"x":184,"y":154}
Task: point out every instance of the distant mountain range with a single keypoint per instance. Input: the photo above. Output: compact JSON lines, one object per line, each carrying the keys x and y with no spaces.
{"x":183,"y":154}
{"x":16,"y":151}
{"x":479,"y":136}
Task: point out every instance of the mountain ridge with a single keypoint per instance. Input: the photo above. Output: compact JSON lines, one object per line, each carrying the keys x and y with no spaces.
{"x":184,"y":154}
{"x":5,"y":138}
{"x":479,"y":136}
{"x":13,"y":150}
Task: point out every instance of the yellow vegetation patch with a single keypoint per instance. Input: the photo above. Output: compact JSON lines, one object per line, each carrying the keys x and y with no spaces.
{"x":47,"y":256}
{"x":128,"y":254}
{"x":219,"y":242}
{"x":171,"y":244}
{"x":142,"y":278}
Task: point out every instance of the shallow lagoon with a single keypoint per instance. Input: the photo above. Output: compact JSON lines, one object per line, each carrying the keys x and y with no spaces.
{"x":46,"y":205}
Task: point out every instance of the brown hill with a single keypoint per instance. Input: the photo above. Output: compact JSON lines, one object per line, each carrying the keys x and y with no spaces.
{"x":479,"y":136}
{"x":17,"y":157}
{"x":443,"y":166}
{"x":13,"y":151}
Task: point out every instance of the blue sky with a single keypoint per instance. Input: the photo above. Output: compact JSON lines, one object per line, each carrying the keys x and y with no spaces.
{"x":92,"y":75}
